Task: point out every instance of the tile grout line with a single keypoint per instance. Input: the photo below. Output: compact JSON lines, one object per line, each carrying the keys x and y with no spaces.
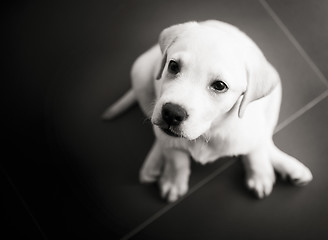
{"x":301,"y":111}
{"x":292,"y":39}
{"x":306,"y":57}
{"x":23,"y":202}
{"x":172,"y":205}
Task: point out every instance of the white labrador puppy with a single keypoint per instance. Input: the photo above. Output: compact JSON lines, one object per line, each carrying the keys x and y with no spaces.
{"x":209,"y":92}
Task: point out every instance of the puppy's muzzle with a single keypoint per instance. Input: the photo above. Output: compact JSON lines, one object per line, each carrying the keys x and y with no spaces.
{"x":172,"y":117}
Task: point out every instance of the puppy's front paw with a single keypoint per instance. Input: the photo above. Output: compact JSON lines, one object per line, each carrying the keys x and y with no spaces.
{"x":260,"y":183}
{"x":173,"y":190}
{"x":173,"y":185}
{"x":149,"y":175}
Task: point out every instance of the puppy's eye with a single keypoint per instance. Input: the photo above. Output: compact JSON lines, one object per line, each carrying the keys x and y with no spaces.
{"x":173,"y":67}
{"x":219,"y":86}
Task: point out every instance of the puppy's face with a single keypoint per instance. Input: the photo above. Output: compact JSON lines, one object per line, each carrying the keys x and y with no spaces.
{"x":201,"y":81}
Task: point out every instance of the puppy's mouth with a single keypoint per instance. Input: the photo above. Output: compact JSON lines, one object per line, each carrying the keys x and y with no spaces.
{"x":170,"y":132}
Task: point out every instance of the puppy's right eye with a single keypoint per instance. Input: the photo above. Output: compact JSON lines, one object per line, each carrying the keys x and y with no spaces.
{"x":173,"y":67}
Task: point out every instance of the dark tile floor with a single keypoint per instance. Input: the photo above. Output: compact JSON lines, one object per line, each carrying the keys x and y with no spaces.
{"x":66,"y":173}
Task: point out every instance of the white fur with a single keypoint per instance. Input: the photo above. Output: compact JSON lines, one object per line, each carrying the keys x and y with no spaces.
{"x":238,"y":122}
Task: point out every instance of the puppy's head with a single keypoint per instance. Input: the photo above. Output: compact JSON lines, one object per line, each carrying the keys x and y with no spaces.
{"x":204,"y":72}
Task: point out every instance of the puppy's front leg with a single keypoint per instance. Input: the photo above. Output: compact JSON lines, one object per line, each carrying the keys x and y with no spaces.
{"x":152,"y":166}
{"x":175,"y":177}
{"x":260,"y":175}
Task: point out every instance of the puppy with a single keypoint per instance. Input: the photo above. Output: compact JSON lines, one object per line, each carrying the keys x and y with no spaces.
{"x":209,"y":93}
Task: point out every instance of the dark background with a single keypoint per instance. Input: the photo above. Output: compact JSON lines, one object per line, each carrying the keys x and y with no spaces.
{"x":67,"y":174}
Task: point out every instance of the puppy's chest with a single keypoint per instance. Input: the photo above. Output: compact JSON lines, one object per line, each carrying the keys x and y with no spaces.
{"x":205,"y":152}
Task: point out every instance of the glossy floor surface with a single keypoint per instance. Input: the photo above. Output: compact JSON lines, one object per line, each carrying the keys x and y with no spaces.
{"x":65,"y":174}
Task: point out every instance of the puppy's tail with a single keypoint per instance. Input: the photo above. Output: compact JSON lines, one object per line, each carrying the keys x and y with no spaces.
{"x":125,"y":102}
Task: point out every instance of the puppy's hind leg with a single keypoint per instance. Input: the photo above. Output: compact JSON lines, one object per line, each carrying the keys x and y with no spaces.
{"x":152,"y":166}
{"x":175,"y":177}
{"x":126,"y":101}
{"x":289,"y":167}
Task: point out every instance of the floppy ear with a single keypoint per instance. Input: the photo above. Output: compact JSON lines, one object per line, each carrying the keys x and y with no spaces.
{"x":167,"y":37}
{"x":160,"y":71}
{"x":262,"y":78}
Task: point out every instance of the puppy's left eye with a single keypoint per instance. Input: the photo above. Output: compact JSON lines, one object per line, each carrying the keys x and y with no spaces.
{"x":219,"y":86}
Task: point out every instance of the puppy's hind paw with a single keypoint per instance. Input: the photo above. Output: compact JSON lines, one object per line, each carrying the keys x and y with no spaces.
{"x":301,"y":177}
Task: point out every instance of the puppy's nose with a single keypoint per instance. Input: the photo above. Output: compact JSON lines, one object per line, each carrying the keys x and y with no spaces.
{"x":173,"y":114}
